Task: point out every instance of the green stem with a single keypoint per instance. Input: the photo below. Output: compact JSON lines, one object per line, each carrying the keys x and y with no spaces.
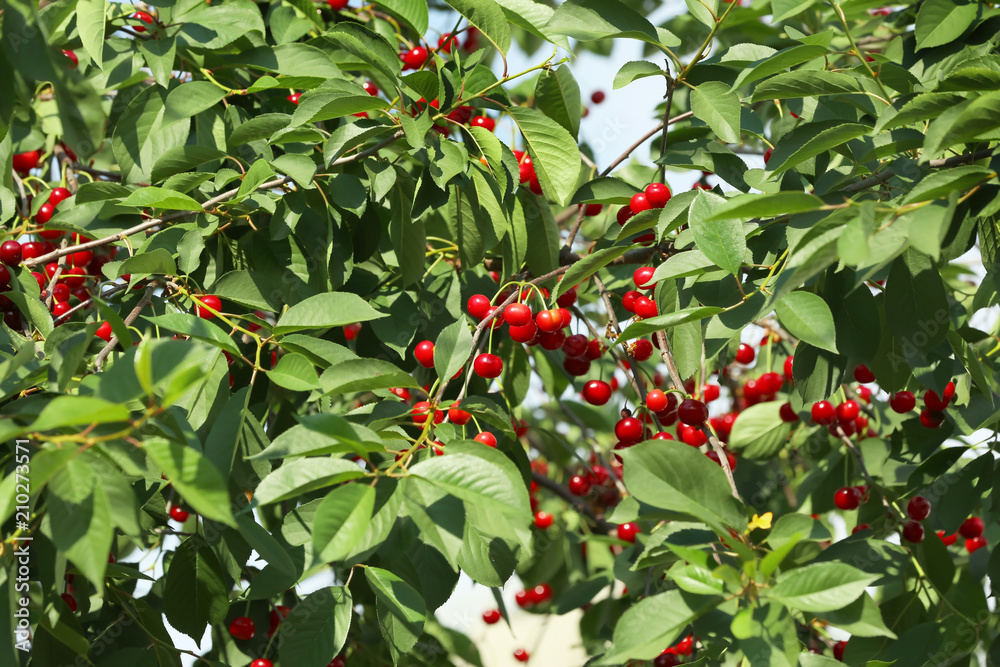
{"x":843,"y":19}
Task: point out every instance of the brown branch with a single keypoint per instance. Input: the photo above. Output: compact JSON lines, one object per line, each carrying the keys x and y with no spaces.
{"x":624,"y":156}
{"x":576,"y":227}
{"x":579,"y":505}
{"x":146,"y":299}
{"x":941,"y":163}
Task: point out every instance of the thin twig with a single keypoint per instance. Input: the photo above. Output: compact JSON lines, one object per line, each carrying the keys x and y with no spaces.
{"x":146,"y":299}
{"x":941,"y":163}
{"x":624,"y":156}
{"x":864,"y":472}
{"x":578,"y":504}
{"x":576,"y":227}
{"x":669,"y":97}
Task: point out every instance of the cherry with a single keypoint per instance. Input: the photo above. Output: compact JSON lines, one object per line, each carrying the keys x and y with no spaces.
{"x":913,"y":532}
{"x":710,"y":392}
{"x":645,"y":307}
{"x":767,"y":156}
{"x":858,"y":528}
{"x":902,"y":401}
{"x":81,"y":258}
{"x":863,"y":374}
{"x":656,"y":400}
{"x":261,"y":662}
{"x":517,"y":315}
{"x":488,"y":365}
{"x":692,"y":412}
{"x":523,"y":599}
{"x":623,"y":215}
{"x":525,"y":334}
{"x":597,"y":97}
{"x":692,"y":436}
{"x":60,"y":309}
{"x":666,"y":660}
{"x":178,"y":514}
{"x":32,"y":249}
{"x":294,"y":98}
{"x":629,"y":299}
{"x":10,"y":253}
{"x":787,"y":413}
{"x":543,"y":520}
{"x":486,"y":438}
{"x":642,"y":276}
{"x":770,"y":382}
{"x":540,"y":593}
{"x":838,"y":650}
{"x":848,"y":411}
{"x":745,"y":354}
{"x":25,"y":162}
{"x":642,"y":350}
{"x":421,"y":410}
{"x":478,"y":306}
{"x":70,"y":601}
{"x":553,"y":340}
{"x":823,"y":413}
{"x":424,"y":353}
{"x":458,"y":416}
{"x":931,"y":418}
{"x":628,"y":531}
{"x":44,"y":215}
{"x":918,"y":508}
{"x":60,"y":292}
{"x":628,"y":429}
{"x":787,"y":368}
{"x":937,"y":403}
{"x":242,"y":628}
{"x":521,"y":655}
{"x":446,"y":42}
{"x":579,"y":485}
{"x":415,"y":58}
{"x":847,"y":498}
{"x":566,"y":317}
{"x":639,"y":203}
{"x":491,"y":616}
{"x":971,"y":528}
{"x":209,"y":301}
{"x":5,"y":279}
{"x":975,"y":544}
{"x":351,"y":331}
{"x":658,"y":195}
{"x":484,"y":122}
{"x":337,"y":5}
{"x":947,"y":539}
{"x":549,"y":321}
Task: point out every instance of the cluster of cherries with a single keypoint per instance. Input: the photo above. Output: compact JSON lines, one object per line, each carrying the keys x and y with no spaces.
{"x":655,"y":195}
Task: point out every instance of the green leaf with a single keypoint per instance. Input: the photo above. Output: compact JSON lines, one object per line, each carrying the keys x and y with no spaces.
{"x":196,"y":327}
{"x":341,"y":520}
{"x":542,"y":253}
{"x":586,"y":267}
{"x":811,"y":139}
{"x":195,"y":477}
{"x":808,"y":318}
{"x":779,"y":62}
{"x":605,"y":190}
{"x":439,"y":516}
{"x":943,"y":183}
{"x":317,"y":627}
{"x":294,"y":372}
{"x":820,"y":586}
{"x":713,"y":103}
{"x":303,"y":475}
{"x":796,"y":527}
{"x":158,"y":261}
{"x":554,"y":153}
{"x":943,"y":21}
{"x":160,"y":55}
{"x":82,"y":530}
{"x":768,"y":205}
{"x":452,"y":349}
{"x":667,"y":320}
{"x":488,"y":17}
{"x":978,"y":117}
{"x":190,"y":99}
{"x":78,"y":411}
{"x":367,"y":45}
{"x":806,"y":83}
{"x":862,"y":618}
{"x":916,"y":305}
{"x":557,"y":95}
{"x":705,"y":12}
{"x":722,"y":241}
{"x":180,"y":159}
{"x":635,"y":70}
{"x":194,"y":593}
{"x":153,"y":197}
{"x":363,"y":375}
{"x":90,"y":23}
{"x":651,"y":624}
{"x":758,"y":432}
{"x":413,"y":12}
{"x":401,"y":611}
{"x":323,"y":311}
{"x":243,"y":288}
{"x":294,"y":59}
{"x":587,"y":20}
{"x":320,"y":434}
{"x":678,"y":478}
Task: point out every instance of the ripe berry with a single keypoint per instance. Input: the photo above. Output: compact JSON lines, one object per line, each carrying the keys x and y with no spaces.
{"x":486,"y":438}
{"x":458,"y":416}
{"x":645,"y":307}
{"x":656,"y":400}
{"x":863,"y":374}
{"x":549,"y":321}
{"x":947,"y":539}
{"x":60,"y":309}
{"x":592,"y":210}
{"x":81,"y":258}
{"x":971,"y":528}
{"x":447,"y":42}
{"x":524,"y":334}
{"x":60,"y":292}
{"x":521,"y":655}
{"x":931,"y":418}
{"x":628,"y":429}
{"x":918,"y":508}
{"x":823,"y":413}
{"x":642,"y":350}
{"x":710,"y":392}
{"x":628,"y":531}
{"x":658,"y":195}
{"x":337,"y":5}
{"x":44,"y":215}
{"x":523,"y":599}
{"x":695,"y":437}
{"x":478,"y":306}
{"x":261,"y":662}
{"x":913,"y":532}
{"x":642,"y":275}
{"x":25,"y":162}
{"x":491,"y":616}
{"x":787,"y":368}
{"x":424,"y":354}
{"x":902,"y":401}
{"x":858,"y":528}
{"x":692,"y":412}
{"x":543,"y":520}
{"x":624,"y":213}
{"x":838,"y":650}
{"x":484,"y":122}
{"x":787,"y":413}
{"x":596,"y":392}
{"x":938,"y":403}
{"x":975,"y":544}
{"x":575,"y":345}
{"x":553,"y":340}
{"x":666,"y":660}
{"x":767,"y":156}
{"x":745,"y":354}
{"x":639,"y":203}
{"x":847,"y":498}
{"x":209,"y":301}
{"x":517,"y":314}
{"x":294,"y":98}
{"x":770,"y":383}
{"x":415,"y":58}
{"x":730,"y":459}
{"x":848,"y":411}
{"x":70,"y":601}
{"x":178,"y":514}
{"x":597,"y":97}
{"x":241,"y":628}
{"x":10,"y":253}
{"x":579,"y":485}
{"x":629,"y":299}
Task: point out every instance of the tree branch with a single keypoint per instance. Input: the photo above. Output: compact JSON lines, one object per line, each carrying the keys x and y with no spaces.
{"x":942,"y":163}
{"x":146,"y":299}
{"x":624,"y":156}
{"x":578,"y":504}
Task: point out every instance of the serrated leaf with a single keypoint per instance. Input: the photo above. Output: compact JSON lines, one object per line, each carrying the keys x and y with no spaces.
{"x":341,"y":520}
{"x":722,"y":241}
{"x":713,"y":103}
{"x":452,"y":349}
{"x":554,"y":153}
{"x":153,"y":197}
{"x":488,"y":17}
{"x":557,"y":95}
{"x":194,"y":593}
{"x":323,"y":311}
{"x":820,"y":586}
{"x":808,"y":318}
{"x":195,"y":477}
{"x":400,"y":609}
{"x":767,"y":205}
{"x":294,"y":372}
{"x":667,"y":320}
{"x":943,"y":21}
{"x":586,"y":267}
{"x":303,"y":475}
{"x":588,"y":20}
{"x":635,"y":70}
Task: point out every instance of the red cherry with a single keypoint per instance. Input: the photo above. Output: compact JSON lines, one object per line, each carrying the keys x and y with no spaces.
{"x":658,"y":195}
{"x":931,"y":418}
{"x":858,"y":528}
{"x":596,"y":392}
{"x":848,"y":411}
{"x":553,"y":340}
{"x":60,"y":309}
{"x":628,"y":531}
{"x":666,"y":660}
{"x":597,"y":97}
{"x":484,"y":122}
{"x":60,"y":292}
{"x":32,"y":249}
{"x":517,"y":315}
{"x":25,"y":162}
{"x":491,"y":616}
{"x":446,"y":42}
{"x":521,"y":655}
{"x":645,"y":307}
{"x":10,"y":253}
{"x":787,"y":368}
{"x":242,"y":628}
{"x":488,"y":365}
{"x":838,"y":650}
{"x":44,"y":215}
{"x":579,"y":485}
{"x":350,"y":331}
{"x":787,"y":413}
{"x":745,"y":354}
{"x":81,"y":258}
{"x":424,"y":354}
{"x":639,"y":203}
{"x":70,"y":601}
{"x":178,"y":514}
{"x":975,"y":544}
{"x":918,"y":508}
{"x":710,"y":392}
{"x":624,"y":213}
{"x":642,"y":276}
{"x":523,"y":599}
{"x":913,"y":532}
{"x":938,"y":403}
{"x":415,"y":58}
{"x":486,"y":438}
{"x":902,"y":401}
{"x":771,"y":382}
{"x":629,"y":299}
{"x":863,"y":374}
{"x":656,"y":400}
{"x":294,"y":98}
{"x":972,"y":528}
{"x":847,"y":498}
{"x":643,"y":350}
{"x":823,"y":413}
{"x":261,"y":662}
{"x":543,"y":520}
{"x":337,"y":5}
{"x":420,"y":411}
{"x":693,"y":412}
{"x":209,"y":301}
{"x":524,"y":334}
{"x":628,"y":429}
{"x":767,"y":156}
{"x":458,"y":416}
{"x":947,"y":539}
{"x":549,"y":320}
